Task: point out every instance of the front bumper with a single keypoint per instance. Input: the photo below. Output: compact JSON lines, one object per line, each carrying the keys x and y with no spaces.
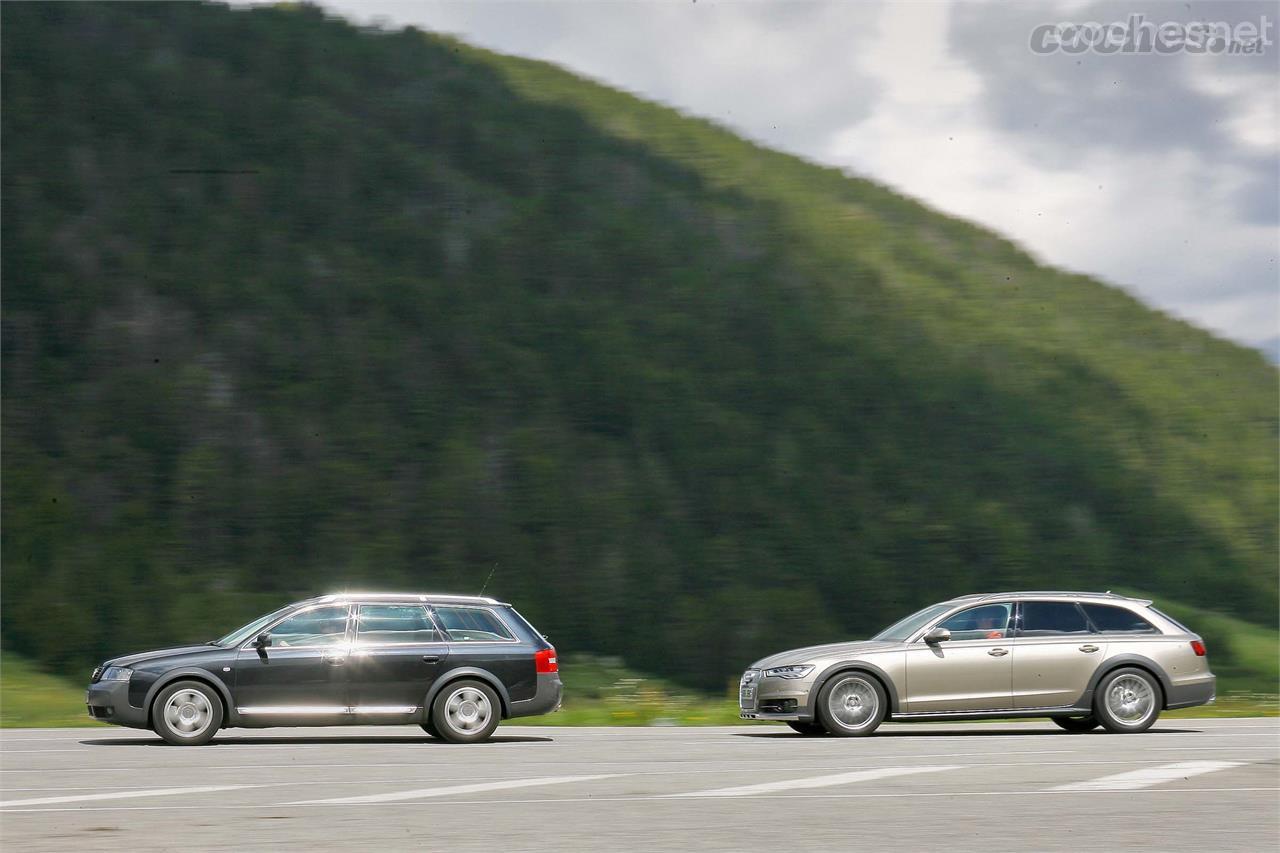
{"x":108,"y":702}
{"x":782,"y":699}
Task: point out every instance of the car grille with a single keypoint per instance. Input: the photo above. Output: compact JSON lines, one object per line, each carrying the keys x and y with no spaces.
{"x":747,"y":690}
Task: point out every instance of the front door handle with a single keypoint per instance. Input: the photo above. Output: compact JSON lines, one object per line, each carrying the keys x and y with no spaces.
{"x":1088,"y":648}
{"x":335,"y":658}
{"x":431,"y":658}
{"x":998,"y":653}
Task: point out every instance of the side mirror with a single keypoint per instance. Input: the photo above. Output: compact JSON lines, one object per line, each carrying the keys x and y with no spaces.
{"x":937,"y":635}
{"x":262,"y":640}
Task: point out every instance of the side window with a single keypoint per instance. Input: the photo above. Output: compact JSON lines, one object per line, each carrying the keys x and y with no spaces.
{"x":1117,"y":619}
{"x":1051,"y":618}
{"x":320,"y":626}
{"x":472,"y":624}
{"x":406,"y":624}
{"x":987,"y":622}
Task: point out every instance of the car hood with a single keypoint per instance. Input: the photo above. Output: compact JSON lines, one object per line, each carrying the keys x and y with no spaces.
{"x":158,"y":654}
{"x":831,"y":651}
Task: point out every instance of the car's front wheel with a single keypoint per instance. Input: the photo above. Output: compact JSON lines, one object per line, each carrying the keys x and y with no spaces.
{"x":851,"y":704}
{"x":1127,"y":701}
{"x":810,"y":729}
{"x":465,"y":712}
{"x":187,"y":713}
{"x":1076,"y":724}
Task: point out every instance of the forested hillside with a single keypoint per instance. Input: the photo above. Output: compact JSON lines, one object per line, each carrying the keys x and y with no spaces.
{"x":290,"y":306}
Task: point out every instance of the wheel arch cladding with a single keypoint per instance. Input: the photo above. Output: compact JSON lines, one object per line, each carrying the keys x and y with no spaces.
{"x":473,"y":674}
{"x":204,"y":677}
{"x":1147,"y":665}
{"x":881,"y":678}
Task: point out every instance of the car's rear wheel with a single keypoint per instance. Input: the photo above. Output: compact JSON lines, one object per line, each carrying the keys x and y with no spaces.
{"x":187,"y":713}
{"x":1076,"y":724}
{"x":851,"y":704}
{"x":1127,"y":701}
{"x":430,"y":727}
{"x":465,"y":711}
{"x":810,"y":729}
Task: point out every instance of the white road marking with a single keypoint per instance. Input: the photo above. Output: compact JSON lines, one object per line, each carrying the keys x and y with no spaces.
{"x":121,"y":795}
{"x":817,"y":781}
{"x":447,"y":790}
{"x":643,"y":799}
{"x":1149,"y":776}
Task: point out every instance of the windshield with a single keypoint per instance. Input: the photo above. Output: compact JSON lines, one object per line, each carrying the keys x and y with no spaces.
{"x":903,"y":628}
{"x":244,"y":632}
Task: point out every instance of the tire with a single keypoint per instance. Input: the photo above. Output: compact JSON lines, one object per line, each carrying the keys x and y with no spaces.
{"x":466,"y":711}
{"x":1128,"y":701}
{"x":1076,"y":724}
{"x":187,"y":713}
{"x":851,"y":704}
{"x":807,"y":729}
{"x":430,"y":728}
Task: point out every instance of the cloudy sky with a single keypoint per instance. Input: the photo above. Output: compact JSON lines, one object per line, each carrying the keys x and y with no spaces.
{"x":1156,"y":173}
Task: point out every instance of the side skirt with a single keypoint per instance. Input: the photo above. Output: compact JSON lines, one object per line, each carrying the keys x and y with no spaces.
{"x":1012,"y":714}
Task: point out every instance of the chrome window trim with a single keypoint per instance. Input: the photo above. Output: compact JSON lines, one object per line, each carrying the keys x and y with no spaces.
{"x":346,"y":637}
{"x":515,"y":639}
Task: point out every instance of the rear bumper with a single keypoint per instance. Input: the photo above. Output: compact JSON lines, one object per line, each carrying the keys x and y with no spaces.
{"x":544,"y":701}
{"x":1188,"y":694}
{"x":108,"y":702}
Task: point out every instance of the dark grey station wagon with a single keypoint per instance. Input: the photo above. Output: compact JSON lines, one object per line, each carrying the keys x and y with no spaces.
{"x":454,"y":665}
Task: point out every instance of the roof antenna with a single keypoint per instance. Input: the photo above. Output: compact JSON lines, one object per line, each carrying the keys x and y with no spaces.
{"x":486,"y":580}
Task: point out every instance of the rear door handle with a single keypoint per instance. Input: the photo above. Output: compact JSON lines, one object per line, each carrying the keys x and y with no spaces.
{"x":431,"y":658}
{"x":1089,"y":648}
{"x":335,"y":659}
{"x":998,"y":653}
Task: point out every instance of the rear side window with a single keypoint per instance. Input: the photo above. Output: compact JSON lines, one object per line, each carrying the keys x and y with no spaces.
{"x":472,"y":625}
{"x":1117,"y":619}
{"x":408,"y":624}
{"x":1051,"y":618}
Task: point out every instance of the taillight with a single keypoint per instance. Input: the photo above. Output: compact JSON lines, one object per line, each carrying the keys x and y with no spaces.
{"x":545,"y":661}
{"x":1198,"y":647}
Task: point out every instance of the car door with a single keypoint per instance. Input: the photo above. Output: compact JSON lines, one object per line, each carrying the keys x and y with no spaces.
{"x":1055,"y":654}
{"x":301,"y":677}
{"x":971,"y":671}
{"x":398,"y":654}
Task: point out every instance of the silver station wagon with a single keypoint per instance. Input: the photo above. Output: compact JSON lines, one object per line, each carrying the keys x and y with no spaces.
{"x":1082,"y":659}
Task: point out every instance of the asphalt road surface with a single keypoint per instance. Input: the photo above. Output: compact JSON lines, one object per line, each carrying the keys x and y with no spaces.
{"x":1186,"y":785}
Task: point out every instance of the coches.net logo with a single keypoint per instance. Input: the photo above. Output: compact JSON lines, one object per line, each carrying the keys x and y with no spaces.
{"x":1136,"y":35}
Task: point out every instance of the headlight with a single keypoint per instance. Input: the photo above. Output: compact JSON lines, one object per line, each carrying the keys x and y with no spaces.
{"x":788,"y":672}
{"x":116,"y":673}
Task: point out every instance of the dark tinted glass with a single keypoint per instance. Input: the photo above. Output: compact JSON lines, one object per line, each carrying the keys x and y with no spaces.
{"x":394,"y":623}
{"x":1108,"y":618}
{"x":1045,"y":618}
{"x":471,"y":624}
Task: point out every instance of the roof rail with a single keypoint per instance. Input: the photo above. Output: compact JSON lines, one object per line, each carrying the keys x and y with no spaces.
{"x":411,"y":596}
{"x":1062,"y":593}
